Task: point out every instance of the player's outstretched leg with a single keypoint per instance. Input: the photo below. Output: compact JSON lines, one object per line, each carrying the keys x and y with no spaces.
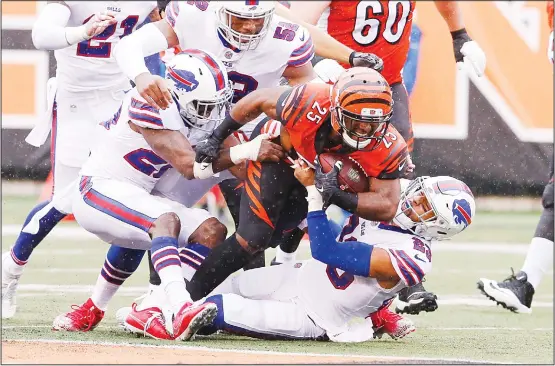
{"x":40,"y":221}
{"x":414,"y":299}
{"x":120,"y":263}
{"x":517,"y":291}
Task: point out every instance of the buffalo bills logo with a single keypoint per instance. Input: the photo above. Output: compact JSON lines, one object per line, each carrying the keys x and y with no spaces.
{"x":184,"y":80}
{"x":462,"y":213}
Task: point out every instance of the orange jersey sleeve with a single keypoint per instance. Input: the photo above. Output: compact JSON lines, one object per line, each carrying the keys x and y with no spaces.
{"x":303,"y":110}
{"x":388,"y":160}
{"x":380,"y":27}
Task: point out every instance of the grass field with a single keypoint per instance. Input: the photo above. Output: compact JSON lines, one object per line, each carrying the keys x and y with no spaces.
{"x":465,"y":327}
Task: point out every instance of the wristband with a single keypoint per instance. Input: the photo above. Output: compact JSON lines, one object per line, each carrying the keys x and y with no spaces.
{"x":226,"y":128}
{"x":76,"y":34}
{"x":314,"y":198}
{"x":459,"y":33}
{"x":351,"y":58}
{"x":346,"y":200}
{"x":200,"y":173}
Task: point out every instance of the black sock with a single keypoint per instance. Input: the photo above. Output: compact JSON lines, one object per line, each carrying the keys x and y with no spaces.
{"x":222,"y":261}
{"x":291,"y":242}
{"x":154,"y":278}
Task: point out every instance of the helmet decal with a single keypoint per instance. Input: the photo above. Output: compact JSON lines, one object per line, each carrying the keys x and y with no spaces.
{"x":184,"y":80}
{"x":462,"y":212}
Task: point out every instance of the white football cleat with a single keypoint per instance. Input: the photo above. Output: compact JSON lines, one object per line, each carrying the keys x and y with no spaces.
{"x":9,"y":287}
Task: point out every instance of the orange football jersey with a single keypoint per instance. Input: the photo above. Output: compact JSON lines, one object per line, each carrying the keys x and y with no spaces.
{"x":305,"y":114}
{"x":379,"y":27}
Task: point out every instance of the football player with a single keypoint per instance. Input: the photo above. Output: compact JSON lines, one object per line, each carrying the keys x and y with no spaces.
{"x":351,"y":117}
{"x":114,"y":197}
{"x":257,"y":47}
{"x":88,"y":87}
{"x":353,"y":277}
{"x":517,"y":291}
{"x":383,"y":27}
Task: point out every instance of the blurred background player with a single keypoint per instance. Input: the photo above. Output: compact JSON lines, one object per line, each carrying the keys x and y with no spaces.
{"x":384,"y":28}
{"x":88,"y":88}
{"x":517,"y":291}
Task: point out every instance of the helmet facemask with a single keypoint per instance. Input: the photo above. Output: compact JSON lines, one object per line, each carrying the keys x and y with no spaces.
{"x":362,"y":131}
{"x":227,"y":18}
{"x":205,"y":115}
{"x":417,"y":212}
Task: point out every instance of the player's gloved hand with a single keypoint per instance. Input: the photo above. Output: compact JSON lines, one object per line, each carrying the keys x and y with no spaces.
{"x":207,"y":150}
{"x":468,"y":52}
{"x":98,"y":23}
{"x":366,"y":60}
{"x":326,"y":183}
{"x":154,"y":90}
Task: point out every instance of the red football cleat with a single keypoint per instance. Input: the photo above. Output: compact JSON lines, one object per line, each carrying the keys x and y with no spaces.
{"x":386,"y":321}
{"x":147,"y":322}
{"x":82,"y":319}
{"x":190,"y":318}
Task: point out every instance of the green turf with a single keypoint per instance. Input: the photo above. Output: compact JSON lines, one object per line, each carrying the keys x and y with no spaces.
{"x":453,"y":331}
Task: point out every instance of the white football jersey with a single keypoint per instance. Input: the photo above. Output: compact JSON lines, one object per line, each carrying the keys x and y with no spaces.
{"x":333,"y":297}
{"x":90,"y":65}
{"x":285,"y":44}
{"x":124,"y":154}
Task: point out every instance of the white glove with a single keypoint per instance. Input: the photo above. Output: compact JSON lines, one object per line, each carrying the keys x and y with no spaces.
{"x":474,"y":58}
{"x":328,"y":71}
{"x":98,"y":23}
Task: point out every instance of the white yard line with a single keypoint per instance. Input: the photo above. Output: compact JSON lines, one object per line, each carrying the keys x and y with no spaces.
{"x":63,"y":232}
{"x":243,"y":351}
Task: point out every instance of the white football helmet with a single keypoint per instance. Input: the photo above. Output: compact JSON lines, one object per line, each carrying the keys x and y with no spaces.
{"x":200,"y":88}
{"x":451,"y":204}
{"x":247,"y":10}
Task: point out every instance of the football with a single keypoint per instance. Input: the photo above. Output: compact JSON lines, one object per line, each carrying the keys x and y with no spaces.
{"x":352,"y":178}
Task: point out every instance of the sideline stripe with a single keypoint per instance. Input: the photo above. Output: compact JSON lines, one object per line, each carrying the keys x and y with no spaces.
{"x":243,"y":351}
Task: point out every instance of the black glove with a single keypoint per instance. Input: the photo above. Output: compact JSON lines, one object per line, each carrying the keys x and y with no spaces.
{"x":328,"y":186}
{"x":207,"y":150}
{"x":366,"y":60}
{"x":460,"y":37}
{"x":326,"y":183}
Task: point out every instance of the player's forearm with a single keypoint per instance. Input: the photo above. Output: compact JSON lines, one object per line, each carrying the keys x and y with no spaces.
{"x":451,"y":13}
{"x":376,"y":206}
{"x":352,"y":256}
{"x":50,"y":31}
{"x":131,"y":50}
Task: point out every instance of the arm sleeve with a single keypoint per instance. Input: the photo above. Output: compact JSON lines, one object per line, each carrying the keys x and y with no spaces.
{"x":410,"y":264}
{"x":144,"y":115}
{"x":304,"y":52}
{"x":131,"y":50}
{"x":351,"y":256}
{"x":49,"y":30}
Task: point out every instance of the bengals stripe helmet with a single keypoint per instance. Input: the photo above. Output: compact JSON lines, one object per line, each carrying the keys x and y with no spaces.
{"x":361,"y":106}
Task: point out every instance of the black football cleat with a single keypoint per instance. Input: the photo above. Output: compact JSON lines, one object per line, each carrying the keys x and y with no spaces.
{"x":412,"y":300}
{"x":515,"y":293}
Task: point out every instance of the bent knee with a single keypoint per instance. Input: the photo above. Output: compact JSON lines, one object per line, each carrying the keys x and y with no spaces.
{"x":210,"y":233}
{"x":167,"y":224}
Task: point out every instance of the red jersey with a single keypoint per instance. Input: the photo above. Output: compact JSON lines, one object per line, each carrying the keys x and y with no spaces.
{"x":305,"y":114}
{"x":379,"y":27}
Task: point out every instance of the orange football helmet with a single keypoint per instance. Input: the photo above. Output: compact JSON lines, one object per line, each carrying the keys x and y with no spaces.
{"x":361,"y":106}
